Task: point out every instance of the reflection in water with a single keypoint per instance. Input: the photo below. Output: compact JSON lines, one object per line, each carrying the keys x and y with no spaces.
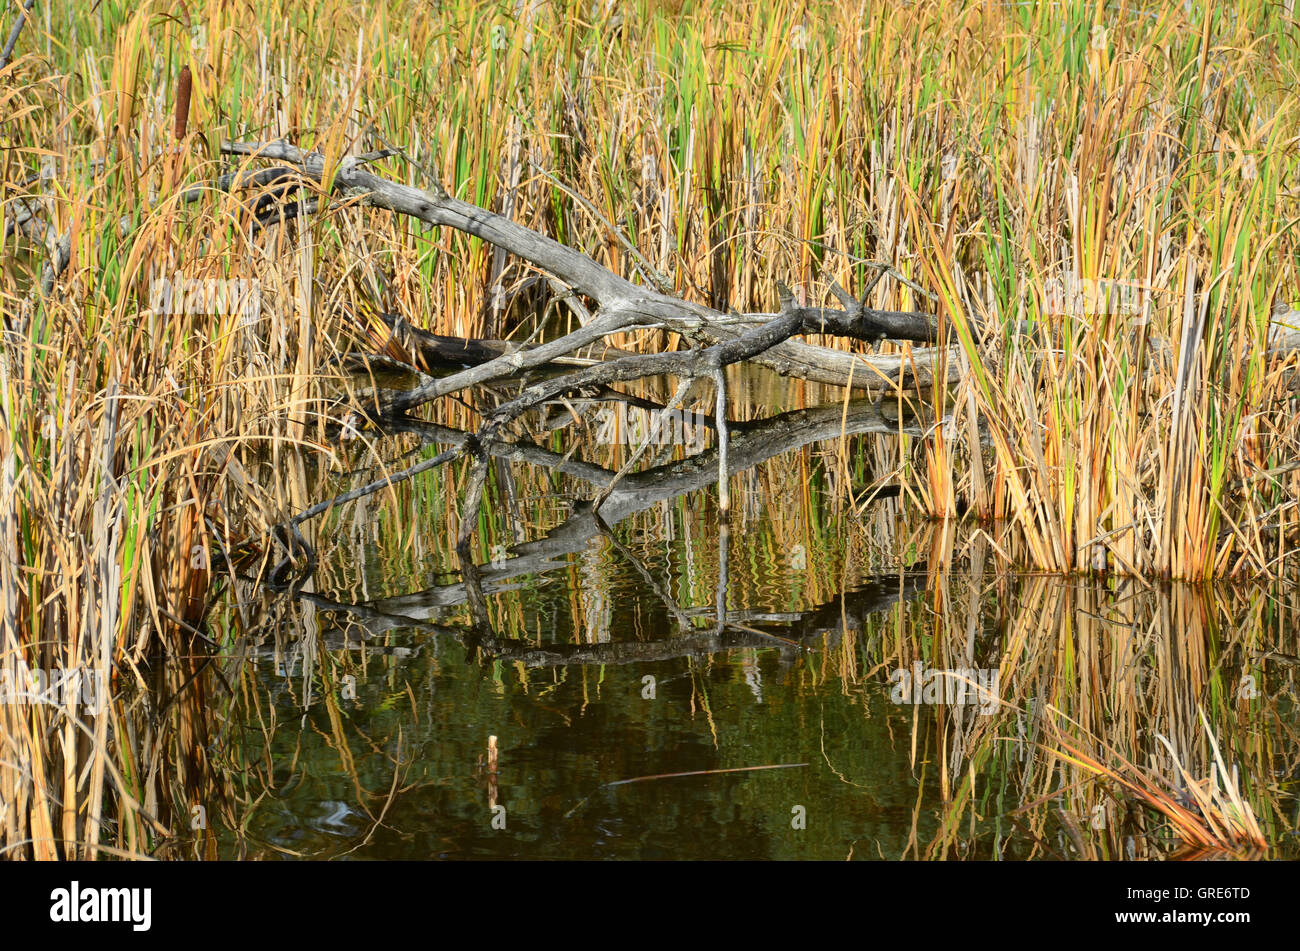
{"x":644,"y":642}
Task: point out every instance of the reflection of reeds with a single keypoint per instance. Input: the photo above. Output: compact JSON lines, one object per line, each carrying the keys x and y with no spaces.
{"x":762,"y":580}
{"x":1207,"y":814}
{"x":1113,"y":699}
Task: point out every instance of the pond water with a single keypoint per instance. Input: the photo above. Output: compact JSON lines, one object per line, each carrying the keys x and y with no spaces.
{"x":820,"y":676}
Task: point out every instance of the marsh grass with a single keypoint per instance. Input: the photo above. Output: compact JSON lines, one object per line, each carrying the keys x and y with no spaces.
{"x":984,"y":151}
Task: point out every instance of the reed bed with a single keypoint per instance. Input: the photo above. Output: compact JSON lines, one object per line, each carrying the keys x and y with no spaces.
{"x":1119,"y":181}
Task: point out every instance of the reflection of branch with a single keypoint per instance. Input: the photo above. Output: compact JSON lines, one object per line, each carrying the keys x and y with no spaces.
{"x":292,"y":541}
{"x":683,"y":622}
{"x":843,"y":612}
{"x":520,"y":451}
{"x":656,"y":430}
{"x":751,"y":445}
{"x":724,"y":572}
{"x":468,"y":520}
{"x":375,"y":486}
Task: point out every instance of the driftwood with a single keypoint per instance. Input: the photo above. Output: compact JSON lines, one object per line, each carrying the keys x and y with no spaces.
{"x":716,"y":339}
{"x":621,"y":305}
{"x":432,"y":350}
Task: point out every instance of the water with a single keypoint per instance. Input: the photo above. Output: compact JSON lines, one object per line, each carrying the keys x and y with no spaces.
{"x":764,"y":659}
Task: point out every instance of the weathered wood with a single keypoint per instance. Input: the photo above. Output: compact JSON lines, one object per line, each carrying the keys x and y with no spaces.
{"x":622,"y":305}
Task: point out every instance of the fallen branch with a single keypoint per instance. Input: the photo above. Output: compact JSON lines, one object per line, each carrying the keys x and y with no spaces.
{"x":685,"y":363}
{"x":622,"y":305}
{"x":432,"y":349}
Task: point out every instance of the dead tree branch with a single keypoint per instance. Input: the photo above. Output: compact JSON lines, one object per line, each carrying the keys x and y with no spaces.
{"x":621,"y":305}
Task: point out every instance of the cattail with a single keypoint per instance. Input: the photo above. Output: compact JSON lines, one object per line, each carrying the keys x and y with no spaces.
{"x":183,"y":84}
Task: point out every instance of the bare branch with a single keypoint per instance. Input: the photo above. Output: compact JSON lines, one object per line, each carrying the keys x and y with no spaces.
{"x":622,"y":304}
{"x":13,"y":34}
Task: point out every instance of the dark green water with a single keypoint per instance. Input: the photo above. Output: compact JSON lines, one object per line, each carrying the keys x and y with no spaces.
{"x":567,"y":731}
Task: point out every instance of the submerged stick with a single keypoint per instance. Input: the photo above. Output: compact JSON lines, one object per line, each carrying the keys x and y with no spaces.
{"x":376,"y":486}
{"x":693,"y":772}
{"x":724,"y":484}
{"x":703,"y":772}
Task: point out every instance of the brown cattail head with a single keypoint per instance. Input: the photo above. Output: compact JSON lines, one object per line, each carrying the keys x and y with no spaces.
{"x":183,"y":84}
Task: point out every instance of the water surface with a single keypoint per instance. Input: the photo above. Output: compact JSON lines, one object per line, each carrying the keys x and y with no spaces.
{"x":761,"y":657}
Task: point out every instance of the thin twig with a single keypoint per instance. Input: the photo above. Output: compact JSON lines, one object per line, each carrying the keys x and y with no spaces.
{"x":704,"y":772}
